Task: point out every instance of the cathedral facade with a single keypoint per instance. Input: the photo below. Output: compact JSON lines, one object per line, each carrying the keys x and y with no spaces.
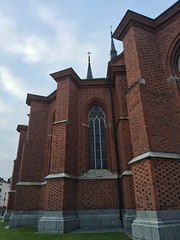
{"x":105,"y":152}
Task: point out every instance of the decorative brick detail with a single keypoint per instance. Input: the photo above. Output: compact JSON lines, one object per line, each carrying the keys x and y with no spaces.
{"x":97,"y":194}
{"x":155,"y":182}
{"x":165,"y":173}
{"x":27,"y":198}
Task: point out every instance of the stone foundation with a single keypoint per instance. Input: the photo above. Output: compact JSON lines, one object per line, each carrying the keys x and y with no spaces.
{"x":58,"y":222}
{"x":93,"y":219}
{"x":25,"y":218}
{"x":156,"y":225}
{"x":62,"y":222}
{"x":128,"y":216}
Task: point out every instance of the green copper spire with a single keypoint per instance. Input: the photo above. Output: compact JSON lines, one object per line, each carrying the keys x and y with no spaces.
{"x":113,"y":52}
{"x":89,"y":71}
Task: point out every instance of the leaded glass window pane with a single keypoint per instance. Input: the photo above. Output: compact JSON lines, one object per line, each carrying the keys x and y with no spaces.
{"x":97,"y":141}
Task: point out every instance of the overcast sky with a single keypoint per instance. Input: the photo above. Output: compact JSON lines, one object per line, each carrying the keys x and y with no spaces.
{"x":39,"y":37}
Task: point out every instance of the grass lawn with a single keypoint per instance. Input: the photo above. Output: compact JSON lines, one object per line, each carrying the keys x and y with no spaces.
{"x":31,"y":234}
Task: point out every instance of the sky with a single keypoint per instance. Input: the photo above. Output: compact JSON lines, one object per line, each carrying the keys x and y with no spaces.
{"x":39,"y":37}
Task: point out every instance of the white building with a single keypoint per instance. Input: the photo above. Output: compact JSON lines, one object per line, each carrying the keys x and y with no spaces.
{"x":4,"y":189}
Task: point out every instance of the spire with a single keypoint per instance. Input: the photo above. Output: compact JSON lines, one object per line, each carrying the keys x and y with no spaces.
{"x":89,"y":71}
{"x":113,"y":52}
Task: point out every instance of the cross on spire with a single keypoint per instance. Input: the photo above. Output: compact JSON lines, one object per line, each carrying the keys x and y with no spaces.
{"x":89,"y":71}
{"x":89,"y":55}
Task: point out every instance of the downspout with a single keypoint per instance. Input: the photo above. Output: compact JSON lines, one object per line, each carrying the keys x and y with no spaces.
{"x":117,"y":163}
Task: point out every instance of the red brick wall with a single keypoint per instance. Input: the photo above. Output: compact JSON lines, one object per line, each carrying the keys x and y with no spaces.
{"x":122,"y":123}
{"x":49,"y":130}
{"x":156,"y":184}
{"x":148,"y":105}
{"x":165,"y":173}
{"x":138,"y":128}
{"x":54,"y":195}
{"x":97,"y":194}
{"x":11,"y":199}
{"x":64,"y":135}
{"x":143,"y":186}
{"x":34,"y":167}
{"x":128,"y":193}
{"x":71,"y":163}
{"x":27,"y":198}
{"x":123,"y":141}
{"x":152,"y":99}
{"x":153,"y":118}
{"x":43,"y":198}
{"x":133,"y":71}
{"x":166,"y":43}
{"x":70,"y":195}
{"x":155,"y":94}
{"x":17,"y":164}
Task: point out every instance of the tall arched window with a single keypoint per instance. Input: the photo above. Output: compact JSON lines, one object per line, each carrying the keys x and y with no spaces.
{"x":97,"y":138}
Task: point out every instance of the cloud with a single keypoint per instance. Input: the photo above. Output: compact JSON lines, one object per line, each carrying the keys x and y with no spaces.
{"x":62,"y":45}
{"x":11,"y":83}
{"x":30,"y":48}
{"x":3,"y":108}
{"x":69,"y":45}
{"x":34,"y":49}
{"x":64,"y":35}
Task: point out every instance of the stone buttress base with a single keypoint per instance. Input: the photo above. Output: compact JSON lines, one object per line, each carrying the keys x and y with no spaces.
{"x":156,"y":225}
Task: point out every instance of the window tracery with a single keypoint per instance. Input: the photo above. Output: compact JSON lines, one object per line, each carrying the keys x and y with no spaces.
{"x":97,"y":138}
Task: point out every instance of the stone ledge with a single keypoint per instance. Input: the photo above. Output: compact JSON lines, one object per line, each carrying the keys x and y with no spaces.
{"x":30,"y":183}
{"x":126,"y":173}
{"x":155,"y":155}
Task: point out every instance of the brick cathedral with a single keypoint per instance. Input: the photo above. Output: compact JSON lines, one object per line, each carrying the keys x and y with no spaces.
{"x":105,"y":152}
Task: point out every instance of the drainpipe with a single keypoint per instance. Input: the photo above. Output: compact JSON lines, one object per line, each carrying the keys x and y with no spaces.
{"x":117,"y":162}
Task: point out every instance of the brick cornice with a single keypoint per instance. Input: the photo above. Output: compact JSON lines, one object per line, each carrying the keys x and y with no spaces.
{"x":21,"y":127}
{"x":132,"y":19}
{"x":135,"y":19}
{"x":33,"y":97}
{"x":68,"y":73}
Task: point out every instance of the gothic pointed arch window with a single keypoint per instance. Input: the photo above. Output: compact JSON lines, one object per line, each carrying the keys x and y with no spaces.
{"x":173,"y":58}
{"x":97,"y":138}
